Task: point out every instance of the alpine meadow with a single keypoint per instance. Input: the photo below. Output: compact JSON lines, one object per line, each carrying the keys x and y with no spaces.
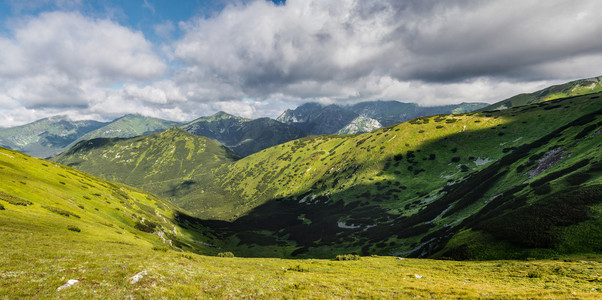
{"x":292,"y":149}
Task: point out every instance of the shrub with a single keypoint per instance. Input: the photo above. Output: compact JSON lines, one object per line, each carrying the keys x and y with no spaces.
{"x":162,"y":249}
{"x":297,"y":268}
{"x":455,"y":159}
{"x":1,"y":206}
{"x":14,"y":200}
{"x":60,"y":211}
{"x":578,"y":178}
{"x":73,"y":228}
{"x":348,"y":257}
{"x":225,"y":254}
{"x":543,"y":189}
{"x":150,"y":227}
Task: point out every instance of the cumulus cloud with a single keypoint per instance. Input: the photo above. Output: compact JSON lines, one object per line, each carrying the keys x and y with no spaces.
{"x":255,"y":58}
{"x":353,"y":50}
{"x":59,"y":59}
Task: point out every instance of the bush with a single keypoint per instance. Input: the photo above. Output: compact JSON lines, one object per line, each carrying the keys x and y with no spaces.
{"x":455,"y":159}
{"x":14,"y":200}
{"x":162,"y":249}
{"x":60,"y":211}
{"x":225,"y":254}
{"x":543,"y":189}
{"x":150,"y":227}
{"x":348,"y":257}
{"x":73,"y":228}
{"x":577,"y":178}
{"x":1,"y":206}
{"x":297,"y":268}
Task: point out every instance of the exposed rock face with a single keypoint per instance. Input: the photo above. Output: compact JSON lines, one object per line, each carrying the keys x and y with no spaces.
{"x":360,"y":124}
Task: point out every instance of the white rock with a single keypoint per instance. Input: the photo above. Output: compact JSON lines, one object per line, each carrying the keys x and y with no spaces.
{"x":69,"y":283}
{"x":137,"y":277}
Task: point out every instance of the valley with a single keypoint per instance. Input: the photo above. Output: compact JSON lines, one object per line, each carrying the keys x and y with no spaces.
{"x":433,"y":186}
{"x":319,"y":216}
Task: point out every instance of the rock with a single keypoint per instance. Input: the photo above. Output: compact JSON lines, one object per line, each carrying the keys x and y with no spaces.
{"x":69,"y":283}
{"x":137,"y":277}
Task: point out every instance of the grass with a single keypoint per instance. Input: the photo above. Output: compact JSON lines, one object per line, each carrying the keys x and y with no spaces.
{"x":400,"y":190}
{"x":36,"y":261}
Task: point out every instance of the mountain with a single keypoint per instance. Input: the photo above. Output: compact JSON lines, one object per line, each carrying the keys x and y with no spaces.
{"x":569,"y":89}
{"x":44,"y":201}
{"x":45,"y":137}
{"x":360,"y":124}
{"x":393,"y":112}
{"x":463,"y":186}
{"x":130,"y":125}
{"x":317,"y":119}
{"x":173,"y":164}
{"x":70,"y":235}
{"x":51,"y":136}
{"x":243,"y":136}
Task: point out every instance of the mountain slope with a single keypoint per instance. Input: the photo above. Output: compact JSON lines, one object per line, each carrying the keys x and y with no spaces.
{"x":173,"y":164}
{"x":569,"y":89}
{"x":59,"y":226}
{"x":243,"y":136}
{"x":317,"y":119}
{"x":130,"y":125}
{"x":43,"y":197}
{"x":408,"y":189}
{"x":45,"y":137}
{"x":431,"y":186}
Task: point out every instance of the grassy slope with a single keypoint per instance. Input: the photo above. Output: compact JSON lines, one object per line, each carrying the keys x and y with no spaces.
{"x":39,"y":254}
{"x":128,"y":126}
{"x":42,"y":197}
{"x":45,"y":137}
{"x":389,"y":191}
{"x":404,"y":189}
{"x":173,"y":164}
{"x":569,"y":89}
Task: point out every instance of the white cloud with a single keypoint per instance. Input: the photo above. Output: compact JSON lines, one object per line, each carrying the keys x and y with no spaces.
{"x":346,"y":50}
{"x":60,"y":59}
{"x":255,"y":58}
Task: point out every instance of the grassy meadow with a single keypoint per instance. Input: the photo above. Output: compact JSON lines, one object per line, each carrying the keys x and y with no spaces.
{"x":35,"y":262}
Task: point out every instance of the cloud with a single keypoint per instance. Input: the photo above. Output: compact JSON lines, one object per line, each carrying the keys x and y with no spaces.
{"x":255,"y":58}
{"x":57,"y":59}
{"x":339,"y":49}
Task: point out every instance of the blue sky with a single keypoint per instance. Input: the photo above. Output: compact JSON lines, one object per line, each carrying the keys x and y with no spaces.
{"x":180,"y":60}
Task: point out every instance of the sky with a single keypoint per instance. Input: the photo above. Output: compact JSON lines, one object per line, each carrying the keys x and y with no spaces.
{"x":180,"y":60}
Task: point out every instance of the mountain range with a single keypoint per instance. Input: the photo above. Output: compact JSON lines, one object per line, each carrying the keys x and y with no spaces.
{"x":243,"y":136}
{"x":462,"y":185}
{"x":569,"y":89}
{"x":459,"y":186}
{"x":316,"y":119}
{"x":48,"y":137}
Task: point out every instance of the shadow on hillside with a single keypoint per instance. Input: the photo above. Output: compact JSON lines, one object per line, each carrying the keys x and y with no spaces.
{"x":363,"y":222}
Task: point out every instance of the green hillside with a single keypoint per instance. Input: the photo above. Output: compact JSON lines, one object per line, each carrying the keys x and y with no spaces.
{"x":569,"y":89}
{"x":407,"y":189}
{"x":130,"y":125}
{"x":243,"y":136}
{"x":58,"y":225}
{"x":42,"y":198}
{"x":46,"y":137}
{"x":173,"y":164}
